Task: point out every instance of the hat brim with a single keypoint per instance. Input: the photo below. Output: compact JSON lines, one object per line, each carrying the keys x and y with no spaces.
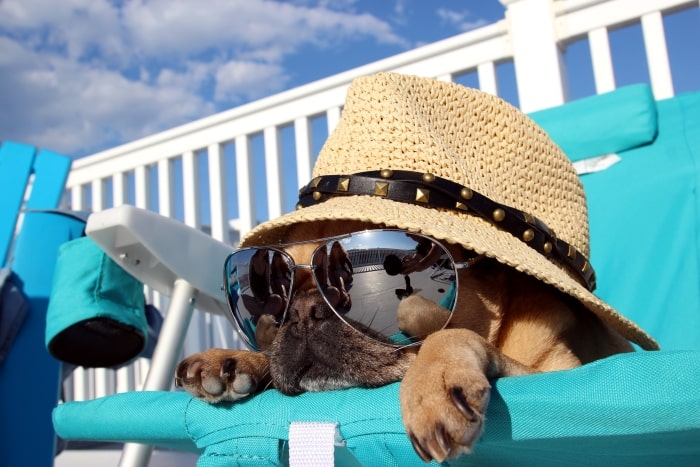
{"x":472,"y":232}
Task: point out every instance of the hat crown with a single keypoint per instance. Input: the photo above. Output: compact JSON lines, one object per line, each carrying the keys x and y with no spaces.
{"x":401,"y":122}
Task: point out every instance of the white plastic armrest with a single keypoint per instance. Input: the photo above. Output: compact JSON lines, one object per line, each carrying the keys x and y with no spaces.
{"x":157,"y":250}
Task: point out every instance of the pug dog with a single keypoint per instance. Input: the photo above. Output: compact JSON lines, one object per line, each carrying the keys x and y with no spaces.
{"x":505,"y":323}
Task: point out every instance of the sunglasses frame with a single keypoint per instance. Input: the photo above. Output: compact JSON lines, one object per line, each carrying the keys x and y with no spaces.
{"x":324,"y":242}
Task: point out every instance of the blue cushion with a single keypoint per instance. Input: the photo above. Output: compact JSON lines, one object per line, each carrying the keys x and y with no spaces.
{"x":602,"y":124}
{"x":644,"y":218}
{"x":639,"y":408}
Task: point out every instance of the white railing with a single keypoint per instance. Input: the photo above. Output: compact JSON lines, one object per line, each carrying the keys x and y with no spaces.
{"x":187,"y":172}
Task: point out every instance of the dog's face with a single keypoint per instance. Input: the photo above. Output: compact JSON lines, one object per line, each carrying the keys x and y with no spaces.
{"x":313,"y":349}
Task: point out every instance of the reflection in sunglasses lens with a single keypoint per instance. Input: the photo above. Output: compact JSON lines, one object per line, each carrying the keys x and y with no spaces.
{"x":373,"y":272}
{"x":375,"y":281}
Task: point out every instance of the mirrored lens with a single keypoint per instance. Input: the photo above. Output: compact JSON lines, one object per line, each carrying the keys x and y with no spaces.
{"x":366,"y":276}
{"x":257,"y":282}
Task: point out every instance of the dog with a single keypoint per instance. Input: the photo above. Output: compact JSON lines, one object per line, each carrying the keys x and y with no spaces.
{"x":450,"y":168}
{"x":505,"y":323}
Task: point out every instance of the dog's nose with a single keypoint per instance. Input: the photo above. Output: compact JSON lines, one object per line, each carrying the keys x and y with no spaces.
{"x":307,"y":309}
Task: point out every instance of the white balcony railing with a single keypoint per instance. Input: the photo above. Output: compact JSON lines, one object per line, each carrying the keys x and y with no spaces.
{"x":247,"y":163}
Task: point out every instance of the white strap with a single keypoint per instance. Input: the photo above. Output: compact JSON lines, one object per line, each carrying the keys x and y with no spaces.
{"x":312,"y":444}
{"x":596,"y":164}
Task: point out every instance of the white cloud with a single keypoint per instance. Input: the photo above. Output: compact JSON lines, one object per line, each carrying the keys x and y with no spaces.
{"x":174,"y":28}
{"x":72,"y":107}
{"x":79,"y":75}
{"x":249,"y":79}
{"x":189,"y":76}
{"x":459,"y":19}
{"x":74,"y":28}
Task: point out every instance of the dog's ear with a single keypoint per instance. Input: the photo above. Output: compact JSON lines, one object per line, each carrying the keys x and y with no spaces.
{"x":280,"y":276}
{"x":334,"y":274}
{"x":259,"y":273}
{"x":269,"y":282}
{"x":341,"y":267}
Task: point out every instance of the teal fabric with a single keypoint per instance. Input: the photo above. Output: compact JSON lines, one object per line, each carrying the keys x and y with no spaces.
{"x":584,"y":416}
{"x":644,"y":219}
{"x":96,"y":315}
{"x":602,"y":124}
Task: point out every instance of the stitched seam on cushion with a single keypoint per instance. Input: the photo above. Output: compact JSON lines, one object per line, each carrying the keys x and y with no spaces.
{"x":388,"y":451}
{"x":240,"y":456}
{"x":96,"y":295}
{"x":373,"y":419}
{"x":195,"y":438}
{"x":187,"y":425}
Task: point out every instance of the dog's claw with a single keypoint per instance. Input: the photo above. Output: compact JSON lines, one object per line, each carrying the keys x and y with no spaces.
{"x":228,"y":367}
{"x":419,"y":449}
{"x":460,"y":401}
{"x":437,"y":447}
{"x":443,"y":439}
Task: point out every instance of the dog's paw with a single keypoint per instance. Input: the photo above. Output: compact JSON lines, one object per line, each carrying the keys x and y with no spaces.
{"x":218,"y":375}
{"x":443,"y":411}
{"x":419,"y":317}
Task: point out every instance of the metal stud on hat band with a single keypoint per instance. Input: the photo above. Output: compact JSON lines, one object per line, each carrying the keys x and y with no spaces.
{"x":431,"y":191}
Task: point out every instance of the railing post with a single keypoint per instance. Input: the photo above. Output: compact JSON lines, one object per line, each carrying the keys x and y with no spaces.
{"x":487,"y":78}
{"x":217,"y":197}
{"x":603,"y":71}
{"x":244,"y":182}
{"x":657,"y":55}
{"x":539,"y":66}
{"x":303,"y":144}
{"x":190,"y":189}
{"x":273,"y":166}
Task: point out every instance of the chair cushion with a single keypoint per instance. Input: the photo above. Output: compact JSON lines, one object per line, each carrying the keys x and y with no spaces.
{"x":592,"y":126}
{"x":644,"y":216}
{"x":638,"y":408}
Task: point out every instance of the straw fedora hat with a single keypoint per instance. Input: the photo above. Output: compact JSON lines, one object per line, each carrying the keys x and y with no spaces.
{"x":458,"y":165}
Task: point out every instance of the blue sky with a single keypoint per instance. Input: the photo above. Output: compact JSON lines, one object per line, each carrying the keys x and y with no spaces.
{"x":79,"y":76}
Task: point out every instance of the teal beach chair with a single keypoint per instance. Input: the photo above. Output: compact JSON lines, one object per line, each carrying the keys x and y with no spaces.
{"x":642,"y":161}
{"x":31,"y":185}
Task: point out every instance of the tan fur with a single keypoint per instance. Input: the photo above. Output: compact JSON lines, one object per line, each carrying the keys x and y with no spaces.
{"x":419,"y":317}
{"x":505,"y":324}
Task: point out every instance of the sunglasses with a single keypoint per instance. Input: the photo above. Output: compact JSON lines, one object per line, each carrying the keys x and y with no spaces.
{"x":361,"y":276}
